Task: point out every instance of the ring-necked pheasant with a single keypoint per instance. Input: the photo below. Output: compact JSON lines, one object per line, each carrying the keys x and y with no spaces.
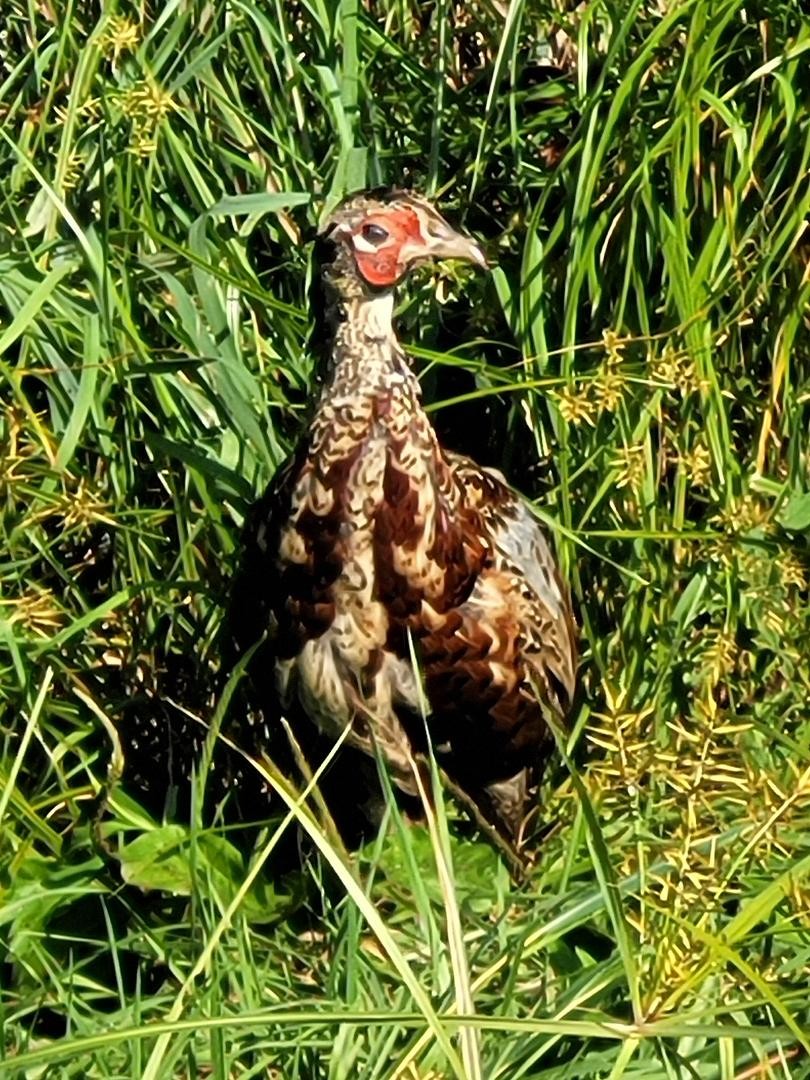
{"x":375,"y":545}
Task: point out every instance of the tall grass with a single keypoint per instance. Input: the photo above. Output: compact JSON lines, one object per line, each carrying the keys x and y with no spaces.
{"x":638,"y":362}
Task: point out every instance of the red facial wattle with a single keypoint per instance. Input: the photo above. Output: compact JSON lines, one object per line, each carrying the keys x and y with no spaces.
{"x":384,"y":266}
{"x":380,"y":268}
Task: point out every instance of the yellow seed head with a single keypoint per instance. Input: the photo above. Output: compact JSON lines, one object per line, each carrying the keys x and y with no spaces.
{"x":697,"y":465}
{"x":122,"y":35}
{"x":677,"y":371}
{"x":38,"y":611}
{"x":575,"y":406}
{"x":719,"y":654}
{"x":74,"y":167}
{"x":609,"y":389}
{"x":631,"y":465}
{"x":792,"y":571}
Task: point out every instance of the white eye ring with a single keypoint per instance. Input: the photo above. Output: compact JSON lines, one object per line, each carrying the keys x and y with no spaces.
{"x":363,"y":245}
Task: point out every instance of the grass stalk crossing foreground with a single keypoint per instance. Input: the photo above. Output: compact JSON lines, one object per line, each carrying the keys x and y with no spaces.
{"x":638,"y":361}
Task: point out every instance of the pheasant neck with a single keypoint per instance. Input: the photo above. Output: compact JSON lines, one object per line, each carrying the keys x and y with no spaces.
{"x":364,"y":355}
{"x":354,"y":336}
{"x":365,"y":351}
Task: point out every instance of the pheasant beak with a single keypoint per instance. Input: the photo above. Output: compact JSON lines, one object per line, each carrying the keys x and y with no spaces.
{"x":454,"y":245}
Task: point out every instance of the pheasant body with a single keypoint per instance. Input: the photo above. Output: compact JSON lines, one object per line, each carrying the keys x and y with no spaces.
{"x":375,"y":546}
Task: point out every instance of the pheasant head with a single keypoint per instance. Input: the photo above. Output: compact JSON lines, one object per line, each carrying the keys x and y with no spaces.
{"x":371,"y":241}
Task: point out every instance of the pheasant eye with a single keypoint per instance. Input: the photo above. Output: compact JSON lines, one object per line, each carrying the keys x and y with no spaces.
{"x":375,"y":234}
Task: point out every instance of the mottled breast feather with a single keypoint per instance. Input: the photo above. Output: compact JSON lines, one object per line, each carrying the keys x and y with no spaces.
{"x":394,"y":539}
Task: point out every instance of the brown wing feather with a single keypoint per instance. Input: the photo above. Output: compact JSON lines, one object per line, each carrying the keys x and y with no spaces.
{"x":426,"y":550}
{"x":498,"y":631}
